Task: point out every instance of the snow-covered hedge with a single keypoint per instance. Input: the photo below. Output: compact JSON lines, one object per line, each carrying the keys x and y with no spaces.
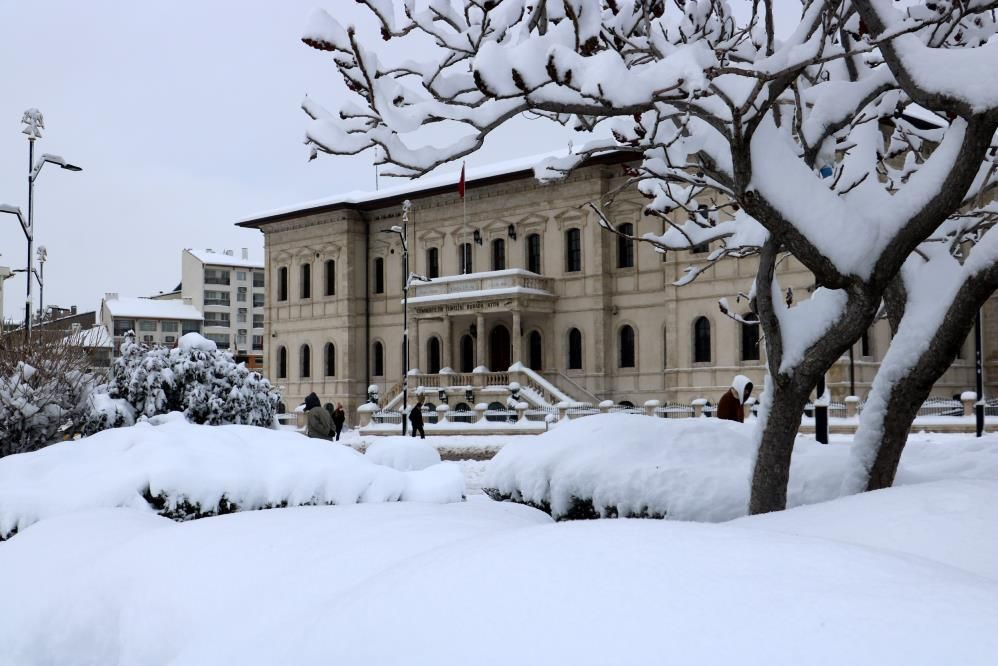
{"x":196,"y":378}
{"x":626,"y":465}
{"x":186,"y":471}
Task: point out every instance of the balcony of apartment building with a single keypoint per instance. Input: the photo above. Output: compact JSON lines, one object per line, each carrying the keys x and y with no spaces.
{"x":216,"y":276}
{"x":217,"y":298}
{"x":217,"y":320}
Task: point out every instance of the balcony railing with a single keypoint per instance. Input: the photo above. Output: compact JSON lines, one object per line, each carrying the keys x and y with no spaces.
{"x":509,"y":281}
{"x":217,"y":280}
{"x":217,"y":301}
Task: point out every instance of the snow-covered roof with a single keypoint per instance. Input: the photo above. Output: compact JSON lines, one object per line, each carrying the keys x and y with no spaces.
{"x":222,"y":259}
{"x":424,"y":186}
{"x":147,"y":308}
{"x":91,"y":337}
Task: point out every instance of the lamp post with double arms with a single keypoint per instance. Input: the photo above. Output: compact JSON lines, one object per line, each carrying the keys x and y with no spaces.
{"x":33,"y":126}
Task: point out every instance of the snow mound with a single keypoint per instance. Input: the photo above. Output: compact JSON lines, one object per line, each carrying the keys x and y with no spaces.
{"x":191,"y":341}
{"x":619,"y":465}
{"x":403,"y":455}
{"x":185,"y":471}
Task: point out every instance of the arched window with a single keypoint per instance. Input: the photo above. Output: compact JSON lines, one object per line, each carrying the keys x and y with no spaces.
{"x":464,"y":258}
{"x":534,"y":253}
{"x":379,"y":275}
{"x":330,"y":277}
{"x":626,"y":347}
{"x":625,"y":246}
{"x":498,"y":254}
{"x":535,"y":351}
{"x":701,"y":340}
{"x":750,"y":337}
{"x":433,"y":355}
{"x":432,"y":262}
{"x":305,"y":356}
{"x":574,"y":349}
{"x":282,"y":362}
{"x":573,"y":250}
{"x":282,"y":283}
{"x":306,"y":281}
{"x":467,"y":353}
{"x":378,"y":360}
{"x":330,"y":359}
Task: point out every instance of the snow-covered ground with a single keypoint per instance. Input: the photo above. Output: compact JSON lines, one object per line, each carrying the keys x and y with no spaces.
{"x":907,"y":575}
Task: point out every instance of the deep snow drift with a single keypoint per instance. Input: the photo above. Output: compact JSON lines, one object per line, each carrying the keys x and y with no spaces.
{"x":488,"y":583}
{"x":183,"y":465}
{"x":691,"y":469}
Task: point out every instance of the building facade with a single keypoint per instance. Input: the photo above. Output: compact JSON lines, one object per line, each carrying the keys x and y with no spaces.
{"x":521,"y":272}
{"x":154,"y":322}
{"x":230,"y":292}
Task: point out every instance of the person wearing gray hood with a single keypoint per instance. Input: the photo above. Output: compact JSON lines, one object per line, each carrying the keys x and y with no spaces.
{"x":731,"y":406}
{"x":319,"y":423}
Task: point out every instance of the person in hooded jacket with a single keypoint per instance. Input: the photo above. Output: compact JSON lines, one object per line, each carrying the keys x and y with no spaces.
{"x":319,"y":423}
{"x":732,"y":404}
{"x":339,"y":418}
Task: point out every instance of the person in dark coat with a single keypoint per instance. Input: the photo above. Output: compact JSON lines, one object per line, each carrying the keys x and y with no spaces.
{"x":339,"y":418}
{"x":318,"y":423}
{"x":732,"y":404}
{"x":416,"y":418}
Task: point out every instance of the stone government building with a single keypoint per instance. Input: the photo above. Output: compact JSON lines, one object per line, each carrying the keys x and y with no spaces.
{"x":530,"y":278}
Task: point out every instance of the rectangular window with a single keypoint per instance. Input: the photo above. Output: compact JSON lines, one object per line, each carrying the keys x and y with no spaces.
{"x":220,"y":339}
{"x":122,"y":326}
{"x":147,"y":325}
{"x":282,"y":283}
{"x":432,"y":263}
{"x":498,"y":254}
{"x":257,"y":343}
{"x":241,"y":340}
{"x":534,"y":253}
{"x":306,"y":281}
{"x":216,"y":319}
{"x":257,"y":278}
{"x":240,"y":276}
{"x":241,"y":295}
{"x":216,"y":276}
{"x":330,"y":277}
{"x":464,"y":259}
{"x":241,"y":315}
{"x":190,"y":327}
{"x":258,"y":300}
{"x":379,"y":275}
{"x":257,"y":321}
{"x":147,"y":338}
{"x":170,"y":338}
{"x":216,"y":297}
{"x":573,"y":250}
{"x":170,"y":326}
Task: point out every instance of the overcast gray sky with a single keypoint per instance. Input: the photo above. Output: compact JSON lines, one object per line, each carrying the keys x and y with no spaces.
{"x":185,"y":117}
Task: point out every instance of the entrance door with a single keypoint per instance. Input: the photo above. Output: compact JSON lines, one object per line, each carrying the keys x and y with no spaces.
{"x":534,"y":351}
{"x":500,"y":349}
{"x":467,"y":353}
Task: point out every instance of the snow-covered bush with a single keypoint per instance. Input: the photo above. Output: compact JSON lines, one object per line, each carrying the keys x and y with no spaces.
{"x":196,"y":378}
{"x":44,"y":387}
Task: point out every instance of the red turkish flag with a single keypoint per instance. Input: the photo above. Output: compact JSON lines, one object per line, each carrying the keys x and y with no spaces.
{"x":460,"y":184}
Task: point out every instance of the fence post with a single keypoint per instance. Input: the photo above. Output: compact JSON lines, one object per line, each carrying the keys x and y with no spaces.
{"x":562,"y":410}
{"x":604,"y":406}
{"x":365,"y":412}
{"x":521,"y":410}
{"x":852,"y":406}
{"x":698,"y":406}
{"x":968,"y":398}
{"x":650,"y":406}
{"x":480,"y":412}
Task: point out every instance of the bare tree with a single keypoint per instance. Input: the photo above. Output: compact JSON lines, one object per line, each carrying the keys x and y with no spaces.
{"x":788,"y":137}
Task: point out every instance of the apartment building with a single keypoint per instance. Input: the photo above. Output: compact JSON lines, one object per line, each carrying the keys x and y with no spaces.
{"x":230,"y":292}
{"x":155,"y":322}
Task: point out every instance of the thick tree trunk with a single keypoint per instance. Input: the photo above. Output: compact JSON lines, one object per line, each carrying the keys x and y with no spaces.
{"x":772,"y":466}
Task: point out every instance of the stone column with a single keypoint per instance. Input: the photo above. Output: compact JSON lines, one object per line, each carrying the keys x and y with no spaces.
{"x":480,"y":340}
{"x":448,"y":343}
{"x":517,"y":341}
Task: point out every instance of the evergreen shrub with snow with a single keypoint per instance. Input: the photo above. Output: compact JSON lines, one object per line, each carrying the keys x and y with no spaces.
{"x":44,"y":388}
{"x":196,"y":378}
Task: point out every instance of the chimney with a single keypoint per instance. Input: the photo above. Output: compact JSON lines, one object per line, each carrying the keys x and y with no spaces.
{"x":245,"y":253}
{"x":111,"y":296}
{"x":72,"y":309}
{"x":75,"y":328}
{"x":228,"y":253}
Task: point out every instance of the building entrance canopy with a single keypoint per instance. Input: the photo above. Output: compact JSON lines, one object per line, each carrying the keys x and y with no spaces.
{"x":509,"y":290}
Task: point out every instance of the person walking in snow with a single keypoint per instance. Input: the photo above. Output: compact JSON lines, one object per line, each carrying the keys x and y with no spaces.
{"x":339,"y":418}
{"x":732,"y":404}
{"x":318,"y":423}
{"x":416,"y":418}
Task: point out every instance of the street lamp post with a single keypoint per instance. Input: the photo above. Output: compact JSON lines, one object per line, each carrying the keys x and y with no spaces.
{"x":33,"y":126}
{"x":408,"y":279}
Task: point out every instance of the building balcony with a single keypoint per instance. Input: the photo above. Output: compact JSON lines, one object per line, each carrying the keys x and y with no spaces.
{"x":513,"y":282}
